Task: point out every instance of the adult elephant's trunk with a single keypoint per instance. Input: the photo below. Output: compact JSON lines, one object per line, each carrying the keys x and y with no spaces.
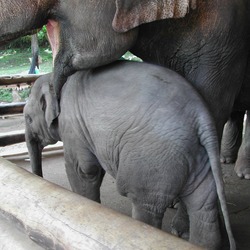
{"x":19,"y":18}
{"x":35,"y":152}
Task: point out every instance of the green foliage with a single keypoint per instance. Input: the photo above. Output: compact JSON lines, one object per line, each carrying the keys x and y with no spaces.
{"x":24,"y":93}
{"x":42,"y":37}
{"x":128,"y":56}
{"x":6,"y":95}
{"x":16,"y":61}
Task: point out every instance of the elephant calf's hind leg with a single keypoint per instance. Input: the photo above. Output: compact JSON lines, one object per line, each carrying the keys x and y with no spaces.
{"x":180,"y":222}
{"x":203,"y":215}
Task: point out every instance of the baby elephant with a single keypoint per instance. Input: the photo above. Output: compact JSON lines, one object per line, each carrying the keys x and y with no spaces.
{"x":147,"y":127}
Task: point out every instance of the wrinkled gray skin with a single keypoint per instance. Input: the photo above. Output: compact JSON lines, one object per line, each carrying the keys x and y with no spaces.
{"x":152,"y":132}
{"x":209,"y":46}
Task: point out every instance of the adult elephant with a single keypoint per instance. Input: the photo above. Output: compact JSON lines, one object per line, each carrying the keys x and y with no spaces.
{"x":209,"y":46}
{"x":81,"y":32}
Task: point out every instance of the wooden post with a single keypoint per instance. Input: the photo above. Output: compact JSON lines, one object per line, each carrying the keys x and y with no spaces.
{"x":59,"y":219}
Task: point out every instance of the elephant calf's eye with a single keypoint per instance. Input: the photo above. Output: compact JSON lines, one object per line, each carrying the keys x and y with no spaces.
{"x":28,"y":119}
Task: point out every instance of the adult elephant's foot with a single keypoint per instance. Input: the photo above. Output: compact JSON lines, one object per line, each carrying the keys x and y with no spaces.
{"x":242,"y":168}
{"x":228,"y":159}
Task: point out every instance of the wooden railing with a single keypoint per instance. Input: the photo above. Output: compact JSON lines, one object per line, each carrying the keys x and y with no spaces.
{"x":6,"y":80}
{"x":14,"y":108}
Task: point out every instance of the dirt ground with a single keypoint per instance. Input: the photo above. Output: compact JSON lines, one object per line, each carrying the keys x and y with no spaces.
{"x":238,"y":191}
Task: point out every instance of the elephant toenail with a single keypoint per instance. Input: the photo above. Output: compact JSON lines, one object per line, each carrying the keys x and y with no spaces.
{"x":247,"y":176}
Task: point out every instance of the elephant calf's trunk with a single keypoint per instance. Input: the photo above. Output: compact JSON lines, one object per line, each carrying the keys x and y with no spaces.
{"x":35,"y":153}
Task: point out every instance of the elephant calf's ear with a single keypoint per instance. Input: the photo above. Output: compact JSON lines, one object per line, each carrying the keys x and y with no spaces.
{"x":49,"y":103}
{"x":52,"y":111}
{"x":131,"y":13}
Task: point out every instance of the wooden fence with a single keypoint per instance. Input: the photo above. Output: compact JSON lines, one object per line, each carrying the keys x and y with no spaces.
{"x":14,"y":108}
{"x":6,"y":80}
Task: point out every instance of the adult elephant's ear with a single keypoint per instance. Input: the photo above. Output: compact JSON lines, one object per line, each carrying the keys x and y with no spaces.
{"x":131,"y":13}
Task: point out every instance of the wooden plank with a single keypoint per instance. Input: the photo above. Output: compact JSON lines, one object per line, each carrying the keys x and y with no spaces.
{"x":12,"y":108}
{"x":12,"y":138}
{"x":15,"y":79}
{"x":9,"y":153}
{"x":14,"y":239}
{"x":59,"y":219}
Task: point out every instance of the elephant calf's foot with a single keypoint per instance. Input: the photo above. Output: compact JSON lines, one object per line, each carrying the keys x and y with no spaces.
{"x":180,"y":222}
{"x":180,"y":231}
{"x":242,"y":168}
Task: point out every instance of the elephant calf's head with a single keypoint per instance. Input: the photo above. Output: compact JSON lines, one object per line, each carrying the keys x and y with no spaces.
{"x":41,"y":113}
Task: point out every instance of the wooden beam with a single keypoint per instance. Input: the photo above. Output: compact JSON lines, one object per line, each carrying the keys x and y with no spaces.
{"x":15,"y":79}
{"x":8,"y":153}
{"x":11,"y":138}
{"x":59,"y":219}
{"x":12,"y":108}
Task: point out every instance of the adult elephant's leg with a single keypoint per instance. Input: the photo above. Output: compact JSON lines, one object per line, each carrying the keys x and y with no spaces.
{"x":232,"y":137}
{"x":84,"y":173}
{"x":242,"y":165}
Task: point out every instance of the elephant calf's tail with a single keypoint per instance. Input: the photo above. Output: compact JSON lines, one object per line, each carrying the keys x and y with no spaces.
{"x":209,"y":139}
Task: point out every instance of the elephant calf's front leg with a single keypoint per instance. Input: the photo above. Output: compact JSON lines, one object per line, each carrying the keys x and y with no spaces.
{"x":85,"y":178}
